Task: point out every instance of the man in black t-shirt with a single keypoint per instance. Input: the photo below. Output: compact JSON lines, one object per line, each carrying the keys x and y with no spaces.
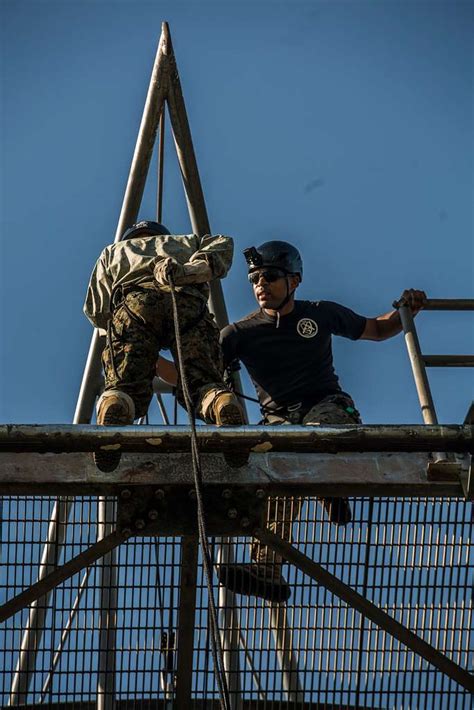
{"x":286,"y":347}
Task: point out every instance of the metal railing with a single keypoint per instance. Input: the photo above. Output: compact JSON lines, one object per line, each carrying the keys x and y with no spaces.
{"x":419,"y":361}
{"x":132,"y":628}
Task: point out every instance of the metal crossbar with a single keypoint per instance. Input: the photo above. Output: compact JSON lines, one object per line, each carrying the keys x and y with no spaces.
{"x":419,"y":361}
{"x":410,"y":559}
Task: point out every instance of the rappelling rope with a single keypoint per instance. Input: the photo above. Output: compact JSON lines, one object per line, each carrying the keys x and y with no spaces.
{"x":216,"y":645}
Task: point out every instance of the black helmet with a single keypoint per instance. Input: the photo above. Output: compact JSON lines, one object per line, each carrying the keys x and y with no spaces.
{"x":280,"y":255}
{"x":145,"y":228}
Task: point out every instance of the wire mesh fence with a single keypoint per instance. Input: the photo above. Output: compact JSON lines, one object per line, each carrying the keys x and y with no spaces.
{"x":411,"y":557}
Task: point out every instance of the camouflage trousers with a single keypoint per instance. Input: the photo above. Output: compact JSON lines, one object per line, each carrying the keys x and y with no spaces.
{"x":283,"y":512}
{"x":142,"y":324}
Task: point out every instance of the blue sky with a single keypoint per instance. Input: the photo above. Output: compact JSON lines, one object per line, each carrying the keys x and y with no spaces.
{"x":344,"y":127}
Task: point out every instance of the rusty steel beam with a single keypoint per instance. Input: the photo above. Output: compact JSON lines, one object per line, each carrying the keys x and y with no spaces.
{"x":383,"y":474}
{"x":256,"y":439}
{"x":367,"y":608}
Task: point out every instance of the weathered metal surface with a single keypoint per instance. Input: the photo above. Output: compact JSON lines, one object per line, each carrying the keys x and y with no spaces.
{"x":256,"y":439}
{"x":367,"y":608}
{"x":151,"y":511}
{"x":303,"y":474}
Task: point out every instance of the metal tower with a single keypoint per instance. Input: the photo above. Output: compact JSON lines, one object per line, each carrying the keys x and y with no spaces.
{"x":104,"y":604}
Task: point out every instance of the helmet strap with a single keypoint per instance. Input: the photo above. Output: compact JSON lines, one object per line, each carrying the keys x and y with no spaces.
{"x":288,"y":296}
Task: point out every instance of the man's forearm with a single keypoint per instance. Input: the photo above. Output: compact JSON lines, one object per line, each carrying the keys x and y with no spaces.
{"x":388,"y":325}
{"x":382,"y":327}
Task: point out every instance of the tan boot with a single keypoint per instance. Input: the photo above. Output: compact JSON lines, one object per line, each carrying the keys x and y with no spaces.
{"x":228,"y":412}
{"x":114,"y":408}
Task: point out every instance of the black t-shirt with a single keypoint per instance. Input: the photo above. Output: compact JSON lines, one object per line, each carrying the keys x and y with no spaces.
{"x":290,"y":359}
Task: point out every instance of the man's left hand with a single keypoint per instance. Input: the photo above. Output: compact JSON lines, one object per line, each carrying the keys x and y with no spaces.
{"x":415,"y":299}
{"x":168,"y":270}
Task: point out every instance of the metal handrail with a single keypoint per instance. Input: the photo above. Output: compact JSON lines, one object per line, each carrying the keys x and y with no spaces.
{"x":449,"y":304}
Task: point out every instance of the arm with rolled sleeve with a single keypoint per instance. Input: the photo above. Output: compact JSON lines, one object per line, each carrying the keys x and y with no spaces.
{"x":211,"y":261}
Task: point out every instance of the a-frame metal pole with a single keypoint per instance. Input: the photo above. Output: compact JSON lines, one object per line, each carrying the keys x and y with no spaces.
{"x":107,"y":510}
{"x":31,"y":639}
{"x":190,"y":173}
{"x":200,"y":224}
{"x":163,"y":70}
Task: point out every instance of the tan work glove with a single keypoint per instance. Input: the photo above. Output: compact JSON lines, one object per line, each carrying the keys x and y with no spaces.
{"x":190,"y":273}
{"x":166,"y":268}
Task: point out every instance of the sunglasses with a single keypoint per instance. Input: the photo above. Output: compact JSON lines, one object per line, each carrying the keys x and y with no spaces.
{"x":269,"y":275}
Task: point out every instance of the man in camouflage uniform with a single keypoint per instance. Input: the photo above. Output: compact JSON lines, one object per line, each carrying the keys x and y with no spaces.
{"x":286,"y":348}
{"x":129,"y":296}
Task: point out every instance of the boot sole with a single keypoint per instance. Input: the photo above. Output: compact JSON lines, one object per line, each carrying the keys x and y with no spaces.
{"x":232,"y":416}
{"x":107,"y":461}
{"x":241,"y":580}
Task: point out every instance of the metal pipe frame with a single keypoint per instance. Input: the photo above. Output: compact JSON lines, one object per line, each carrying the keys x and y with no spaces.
{"x":187,"y":610}
{"x":164,"y":68}
{"x":367,"y":608}
{"x":106,"y":516}
{"x":418,"y":368}
{"x":201,"y":226}
{"x":448,"y":360}
{"x":190,"y":176}
{"x":283,"y":638}
{"x":230,"y":636}
{"x":449,"y":304}
{"x":23,"y":438}
{"x":91,"y":380}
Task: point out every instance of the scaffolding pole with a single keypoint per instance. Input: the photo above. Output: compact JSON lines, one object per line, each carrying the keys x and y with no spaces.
{"x":91,"y":379}
{"x":22,"y":438}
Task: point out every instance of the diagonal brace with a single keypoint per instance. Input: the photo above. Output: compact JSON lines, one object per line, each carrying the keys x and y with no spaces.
{"x":59,"y":575}
{"x":367,"y":608}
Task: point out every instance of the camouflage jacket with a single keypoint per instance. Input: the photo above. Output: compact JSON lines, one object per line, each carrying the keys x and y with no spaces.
{"x":131,"y":263}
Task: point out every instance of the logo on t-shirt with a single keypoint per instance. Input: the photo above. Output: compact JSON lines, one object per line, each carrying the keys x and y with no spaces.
{"x":307,"y":327}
